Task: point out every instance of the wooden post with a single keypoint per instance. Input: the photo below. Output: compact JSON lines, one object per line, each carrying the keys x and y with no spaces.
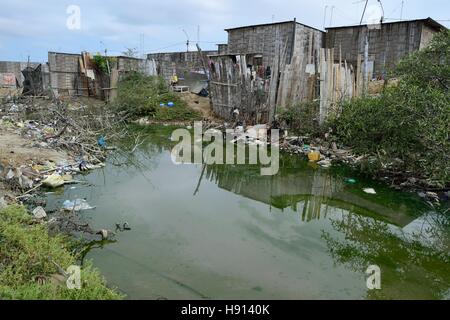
{"x":206,"y":68}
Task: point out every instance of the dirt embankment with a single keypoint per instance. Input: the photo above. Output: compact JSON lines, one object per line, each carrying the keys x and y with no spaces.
{"x":17,"y":151}
{"x":199,"y":104}
{"x":41,"y":137}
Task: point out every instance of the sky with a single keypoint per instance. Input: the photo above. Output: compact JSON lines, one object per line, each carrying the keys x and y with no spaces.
{"x":32,"y":28}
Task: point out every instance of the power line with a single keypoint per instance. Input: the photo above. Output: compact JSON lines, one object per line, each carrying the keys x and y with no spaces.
{"x":342,"y":14}
{"x":169,"y":46}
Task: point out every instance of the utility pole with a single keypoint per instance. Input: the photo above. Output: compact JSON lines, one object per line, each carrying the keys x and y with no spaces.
{"x":187,"y":41}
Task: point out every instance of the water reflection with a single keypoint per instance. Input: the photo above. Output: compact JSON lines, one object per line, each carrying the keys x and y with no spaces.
{"x":312,"y":192}
{"x":410,"y":268}
{"x":409,"y":242}
{"x":223,"y":231}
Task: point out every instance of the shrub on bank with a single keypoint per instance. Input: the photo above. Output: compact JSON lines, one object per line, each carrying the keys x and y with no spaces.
{"x":302,"y":118}
{"x":408,"y":124}
{"x":140,"y":96}
{"x":27,"y":257}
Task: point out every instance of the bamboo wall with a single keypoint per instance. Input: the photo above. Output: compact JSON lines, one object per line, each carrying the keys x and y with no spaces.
{"x":388,"y":43}
{"x":288,"y":52}
{"x":234,"y":85}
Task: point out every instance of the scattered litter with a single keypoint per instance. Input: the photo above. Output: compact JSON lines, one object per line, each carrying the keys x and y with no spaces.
{"x":432,"y":196}
{"x":54,"y":181}
{"x":10,"y":175}
{"x":370,"y":191}
{"x":82,"y":166}
{"x":101,"y":142}
{"x":171,"y":104}
{"x":95,"y":166}
{"x":124,"y":227}
{"x":14,"y":108}
{"x":3,"y":203}
{"x":326,"y":163}
{"x":314,"y":156}
{"x":76,"y":205}
{"x":39,"y":213}
{"x":350,"y":181}
{"x":104,"y":233}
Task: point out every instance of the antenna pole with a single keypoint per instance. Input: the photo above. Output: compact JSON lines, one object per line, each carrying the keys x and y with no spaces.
{"x":331,"y":15}
{"x":382,"y":9}
{"x":364,"y":12}
{"x":401,"y":11}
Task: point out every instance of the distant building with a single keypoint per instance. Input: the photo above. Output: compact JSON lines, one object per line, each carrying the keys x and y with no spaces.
{"x":222,"y":48}
{"x":388,"y":43}
{"x":297,"y":38}
{"x":16,"y":67}
{"x":265,"y":67}
{"x":188,"y":66}
{"x":76,"y":74}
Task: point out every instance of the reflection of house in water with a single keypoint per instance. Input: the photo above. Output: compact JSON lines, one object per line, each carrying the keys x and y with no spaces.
{"x":313,"y":193}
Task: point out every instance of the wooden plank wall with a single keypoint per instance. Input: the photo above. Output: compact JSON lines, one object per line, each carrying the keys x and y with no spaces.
{"x":291,"y":50}
{"x":233,"y":86}
{"x":299,"y":77}
{"x":387,"y":45}
{"x":338,"y":83}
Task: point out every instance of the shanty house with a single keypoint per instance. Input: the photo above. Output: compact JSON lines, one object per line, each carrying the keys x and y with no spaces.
{"x":188,"y":66}
{"x":383,"y":45}
{"x":278,"y":62}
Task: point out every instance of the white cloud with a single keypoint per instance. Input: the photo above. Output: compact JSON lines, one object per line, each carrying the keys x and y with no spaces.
{"x":119,"y":23}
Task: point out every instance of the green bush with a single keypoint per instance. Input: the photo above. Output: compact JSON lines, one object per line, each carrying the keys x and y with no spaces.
{"x":409,"y":123}
{"x":302,"y":118}
{"x":141,"y":96}
{"x":101,"y":62}
{"x":27,"y":254}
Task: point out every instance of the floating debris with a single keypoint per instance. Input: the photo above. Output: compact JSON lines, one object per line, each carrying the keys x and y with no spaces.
{"x":39,"y":213}
{"x":369,"y":190}
{"x":54,"y":181}
{"x":77,"y":205}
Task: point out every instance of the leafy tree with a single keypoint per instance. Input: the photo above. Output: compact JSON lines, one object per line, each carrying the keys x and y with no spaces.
{"x":407,"y":126}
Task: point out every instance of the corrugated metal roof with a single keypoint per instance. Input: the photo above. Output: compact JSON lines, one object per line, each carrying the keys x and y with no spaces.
{"x":428,"y":21}
{"x":270,"y":24}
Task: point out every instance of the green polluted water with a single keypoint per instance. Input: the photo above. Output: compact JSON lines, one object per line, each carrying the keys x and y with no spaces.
{"x":226,"y":232}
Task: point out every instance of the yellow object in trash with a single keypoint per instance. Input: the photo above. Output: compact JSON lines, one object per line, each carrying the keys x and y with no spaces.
{"x":314,"y":156}
{"x":54,"y":181}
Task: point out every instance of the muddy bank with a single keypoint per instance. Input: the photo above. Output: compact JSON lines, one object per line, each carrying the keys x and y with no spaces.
{"x":327,"y":151}
{"x":44,"y":145}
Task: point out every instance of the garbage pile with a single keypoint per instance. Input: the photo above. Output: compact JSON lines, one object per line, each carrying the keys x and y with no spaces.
{"x":27,"y":178}
{"x":322,"y":152}
{"x":250,"y":135}
{"x":57,"y":126}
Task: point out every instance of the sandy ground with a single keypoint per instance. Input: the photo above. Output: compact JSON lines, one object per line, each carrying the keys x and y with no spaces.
{"x":200,"y":104}
{"x":16,"y":151}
